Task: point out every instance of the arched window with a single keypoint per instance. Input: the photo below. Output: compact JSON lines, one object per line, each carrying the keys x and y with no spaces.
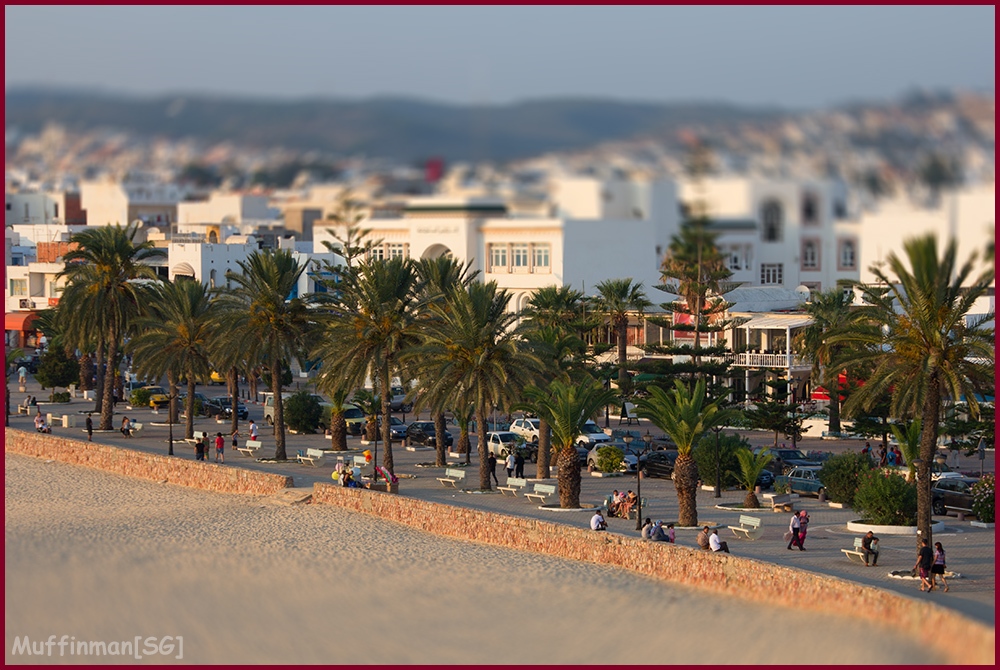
{"x":211,"y":279}
{"x":848,"y":254}
{"x":810,"y":255}
{"x":771,"y":221}
{"x":810,"y":208}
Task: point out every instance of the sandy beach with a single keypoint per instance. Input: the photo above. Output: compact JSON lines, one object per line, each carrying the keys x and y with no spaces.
{"x":244,"y":579}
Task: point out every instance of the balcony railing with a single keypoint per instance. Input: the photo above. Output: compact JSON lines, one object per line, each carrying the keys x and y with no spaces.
{"x":752,"y":360}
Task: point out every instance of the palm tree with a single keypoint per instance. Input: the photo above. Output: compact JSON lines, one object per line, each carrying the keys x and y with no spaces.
{"x":272,"y":324}
{"x":338,"y":424}
{"x":830,"y":311}
{"x":915,"y":333}
{"x":175,"y":337}
{"x":617,"y":299}
{"x":685,"y":417}
{"x":908,"y":438}
{"x":103,"y":289}
{"x":473,"y":345}
{"x":370,"y":321}
{"x":559,"y":307}
{"x":751,"y":466}
{"x":567,"y":407}
{"x":369,"y":403}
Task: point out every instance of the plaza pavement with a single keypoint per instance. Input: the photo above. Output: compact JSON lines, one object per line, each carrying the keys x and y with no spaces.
{"x":971,"y":551}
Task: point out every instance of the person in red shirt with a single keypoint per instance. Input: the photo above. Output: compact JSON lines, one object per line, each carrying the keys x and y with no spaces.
{"x":220,"y":447}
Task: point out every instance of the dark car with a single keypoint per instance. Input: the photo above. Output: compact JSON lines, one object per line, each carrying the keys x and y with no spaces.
{"x":397,"y":429}
{"x":953,"y":492}
{"x":765,"y":480}
{"x":659,"y":464}
{"x":786,"y":459}
{"x":223,"y":407}
{"x":422,"y":432}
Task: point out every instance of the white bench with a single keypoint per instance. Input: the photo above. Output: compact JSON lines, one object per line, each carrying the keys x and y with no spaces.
{"x":857,"y":553}
{"x":249,"y":448}
{"x":541,"y":492}
{"x":22,"y":409}
{"x":749,"y":526}
{"x":361,"y":463}
{"x":315,"y":457}
{"x":198,"y":435}
{"x":137,"y":429}
{"x":452,"y":477}
{"x":514,"y":484}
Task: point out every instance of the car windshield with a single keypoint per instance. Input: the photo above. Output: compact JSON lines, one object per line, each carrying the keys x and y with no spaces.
{"x":532,"y":422}
{"x":591,"y":427}
{"x":507,"y":437}
{"x":791,"y":453}
{"x":353,"y":413}
{"x":424,"y":426}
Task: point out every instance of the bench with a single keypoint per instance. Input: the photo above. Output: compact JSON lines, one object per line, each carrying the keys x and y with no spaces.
{"x":249,"y":448}
{"x":542,"y":492}
{"x":635,"y":510}
{"x":198,"y":435}
{"x":749,"y":526}
{"x":514,"y":484}
{"x":960,"y":512}
{"x":452,"y":477}
{"x":314,"y":457}
{"x":782,"y":503}
{"x":137,"y":429}
{"x":855,"y":554}
{"x":366,"y":468}
{"x":21,"y":409}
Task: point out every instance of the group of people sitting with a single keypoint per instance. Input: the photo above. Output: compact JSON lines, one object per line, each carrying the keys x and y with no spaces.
{"x":40,"y":424}
{"x":656,"y":533}
{"x":622,"y":503}
{"x":708,"y":539}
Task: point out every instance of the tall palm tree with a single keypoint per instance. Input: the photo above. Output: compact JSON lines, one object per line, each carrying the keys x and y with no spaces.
{"x":472,"y":344}
{"x":176,"y":337}
{"x":559,"y":307}
{"x":260,"y":309}
{"x":103,"y":288}
{"x":567,"y":407}
{"x":338,"y":424}
{"x":617,"y":299}
{"x":683,"y":415}
{"x":371,"y":320}
{"x":914,"y":330}
{"x":831,"y":311}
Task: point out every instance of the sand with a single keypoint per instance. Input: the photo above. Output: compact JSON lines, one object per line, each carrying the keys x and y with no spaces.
{"x":243,"y":579}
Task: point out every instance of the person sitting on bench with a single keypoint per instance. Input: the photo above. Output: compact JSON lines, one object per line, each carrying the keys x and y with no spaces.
{"x":40,"y":424}
{"x":716,"y":544}
{"x":869,"y":547}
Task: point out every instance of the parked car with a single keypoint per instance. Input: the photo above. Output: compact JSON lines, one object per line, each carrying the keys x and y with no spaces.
{"x":765,"y":479}
{"x":659,"y":464}
{"x":224,"y":407}
{"x":938,"y":471}
{"x":199,"y":397}
{"x":501,"y":443}
{"x":397,"y":429}
{"x":158,"y":398}
{"x":954,"y":492}
{"x":592,"y":434}
{"x":398,"y":401}
{"x":422,"y":432}
{"x":630,"y":455}
{"x":526,"y":428}
{"x":786,"y":459}
{"x":216,"y":378}
{"x":805,"y":480}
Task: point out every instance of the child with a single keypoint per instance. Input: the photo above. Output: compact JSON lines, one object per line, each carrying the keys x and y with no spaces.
{"x":199,"y":450}
{"x":938,"y":567}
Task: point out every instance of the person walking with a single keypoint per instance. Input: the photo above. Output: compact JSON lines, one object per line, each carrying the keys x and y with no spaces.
{"x":253,"y":430}
{"x":90,"y":428}
{"x":509,"y":464}
{"x":519,"y":465}
{"x":793,"y":528}
{"x":938,"y":567}
{"x":22,"y":376}
{"x":236,"y":442}
{"x":492,"y":462}
{"x":199,"y":449}
{"x":803,"y":527}
{"x":925,"y":557}
{"x":220,"y":447}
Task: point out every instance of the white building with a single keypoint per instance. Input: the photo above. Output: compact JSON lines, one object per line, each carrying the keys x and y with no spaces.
{"x":225,"y":214}
{"x":109,"y":202}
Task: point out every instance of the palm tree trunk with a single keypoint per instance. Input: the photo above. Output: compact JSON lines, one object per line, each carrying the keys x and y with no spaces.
{"x":279,"y":411}
{"x":172,"y":410}
{"x":338,"y":432}
{"x":233,"y":381}
{"x":189,"y":408}
{"x":622,"y":330}
{"x":481,"y":430}
{"x":463,"y":443}
{"x":386,"y":390}
{"x":686,"y":483}
{"x":107,"y":406}
{"x":833,"y":392}
{"x":439,"y":431}
{"x":568,"y":462}
{"x":928,"y":447}
{"x":544,"y":449}
{"x":99,"y":389}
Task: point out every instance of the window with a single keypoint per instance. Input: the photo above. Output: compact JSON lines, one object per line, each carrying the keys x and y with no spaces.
{"x":771,"y":220}
{"x":56,"y":210}
{"x":377,"y":253}
{"x":541,"y":257}
{"x":498,"y":257}
{"x":810,"y":208}
{"x":211,"y":279}
{"x":54,"y":289}
{"x":734,"y":259}
{"x":770,"y":273}
{"x":847,"y":255}
{"x":19,"y":287}
{"x":519,"y":257}
{"x":395,"y":250}
{"x":810,"y":255}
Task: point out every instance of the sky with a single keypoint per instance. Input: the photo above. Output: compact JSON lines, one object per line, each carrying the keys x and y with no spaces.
{"x":788,"y":56}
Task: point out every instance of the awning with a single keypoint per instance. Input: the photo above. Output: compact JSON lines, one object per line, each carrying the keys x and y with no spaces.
{"x":773,"y":321}
{"x":18,"y":321}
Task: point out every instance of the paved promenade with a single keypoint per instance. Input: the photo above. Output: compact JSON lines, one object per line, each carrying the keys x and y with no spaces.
{"x":971,"y":551}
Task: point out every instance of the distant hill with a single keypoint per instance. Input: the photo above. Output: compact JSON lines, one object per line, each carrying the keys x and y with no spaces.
{"x":395,"y":128}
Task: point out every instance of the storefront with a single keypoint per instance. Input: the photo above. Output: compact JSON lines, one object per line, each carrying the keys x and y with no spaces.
{"x":19,"y":331}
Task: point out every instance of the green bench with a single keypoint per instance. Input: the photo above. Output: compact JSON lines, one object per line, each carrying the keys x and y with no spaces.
{"x":857,"y":553}
{"x":514,"y":484}
{"x":541,"y":492}
{"x":750,"y":527}
{"x":452,"y":477}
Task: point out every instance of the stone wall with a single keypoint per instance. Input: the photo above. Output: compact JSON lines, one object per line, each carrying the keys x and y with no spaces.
{"x":201,"y":475}
{"x":960,"y":639}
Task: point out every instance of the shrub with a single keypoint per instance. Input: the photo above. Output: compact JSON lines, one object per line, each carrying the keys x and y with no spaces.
{"x":60,"y":397}
{"x":840,"y":475}
{"x":140,"y":398}
{"x":984,"y":499}
{"x":302,"y":412}
{"x":704,"y":456}
{"x":780,"y":486}
{"x":886,"y":499}
{"x":609,"y":459}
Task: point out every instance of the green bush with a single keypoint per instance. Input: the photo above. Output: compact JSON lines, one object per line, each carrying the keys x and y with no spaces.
{"x":609,"y":459}
{"x":140,"y":398}
{"x":840,"y":475}
{"x":60,"y":397}
{"x":886,"y":499}
{"x":302,"y":412}
{"x":984,"y":499}
{"x":729,"y":445}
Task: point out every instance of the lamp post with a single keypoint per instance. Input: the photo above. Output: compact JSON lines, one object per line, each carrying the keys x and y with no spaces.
{"x":718,"y":464}
{"x":607,"y":387}
{"x":795,"y":433}
{"x":170,"y":424}
{"x":378,"y":429}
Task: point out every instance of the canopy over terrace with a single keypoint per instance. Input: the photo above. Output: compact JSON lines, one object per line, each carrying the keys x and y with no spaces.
{"x":767,"y":340}
{"x":19,"y":323}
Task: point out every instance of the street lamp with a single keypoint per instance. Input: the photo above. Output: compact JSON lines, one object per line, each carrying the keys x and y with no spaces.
{"x":627,"y":439}
{"x":718,"y":465}
{"x":378,"y":429}
{"x":795,"y":433}
{"x":170,"y":423}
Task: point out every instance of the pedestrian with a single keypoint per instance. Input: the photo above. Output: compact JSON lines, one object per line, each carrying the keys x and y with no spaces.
{"x":114,"y":397}
{"x":220,"y":446}
{"x":509,"y":464}
{"x":867,"y":451}
{"x":493,"y":468}
{"x":519,"y":465}
{"x":882,"y":456}
{"x":925,"y":557}
{"x":671,"y":536}
{"x":803,"y":527}
{"x":938,"y":567}
{"x":899,"y":455}
{"x":236,"y":442}
{"x":22,"y":376}
{"x":90,"y":428}
{"x":199,"y":449}
{"x":793,"y":528}
{"x":253,"y":430}
{"x":716,"y":544}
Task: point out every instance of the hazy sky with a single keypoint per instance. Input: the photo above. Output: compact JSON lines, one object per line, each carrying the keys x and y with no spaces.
{"x":790,"y":56}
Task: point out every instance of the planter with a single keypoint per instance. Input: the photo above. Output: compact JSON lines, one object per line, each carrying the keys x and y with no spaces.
{"x":982,"y":524}
{"x":606,"y":474}
{"x":859,"y":526}
{"x":384,"y":487}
